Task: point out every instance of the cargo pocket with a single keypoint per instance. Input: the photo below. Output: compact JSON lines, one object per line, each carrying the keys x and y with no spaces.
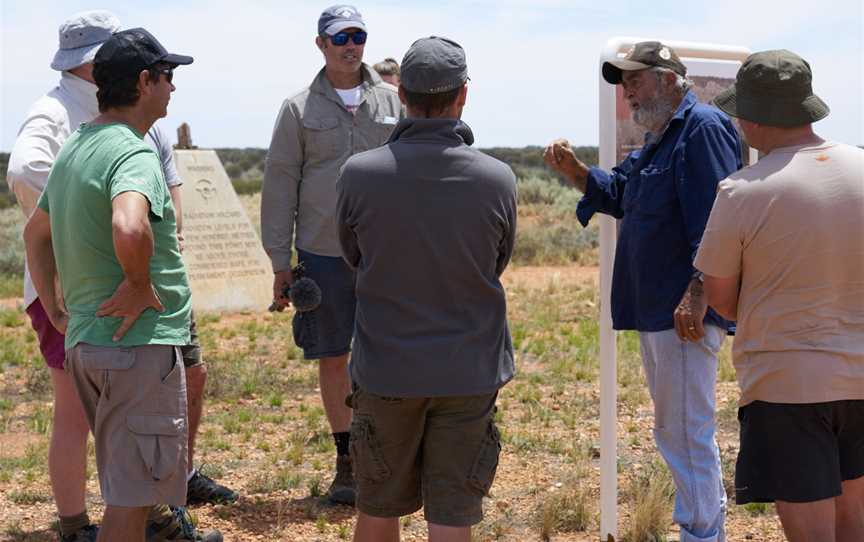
{"x":324,"y":139}
{"x":486,"y":463}
{"x":303,"y":326}
{"x":369,"y":464}
{"x":160,"y":444}
{"x":172,"y":388}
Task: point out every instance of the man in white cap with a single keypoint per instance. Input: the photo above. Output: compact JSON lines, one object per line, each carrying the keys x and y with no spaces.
{"x":48,"y":123}
{"x":347,"y":109}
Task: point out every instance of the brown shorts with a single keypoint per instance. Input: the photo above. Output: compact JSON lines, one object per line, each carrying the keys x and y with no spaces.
{"x":135,"y":402}
{"x":438,"y":453}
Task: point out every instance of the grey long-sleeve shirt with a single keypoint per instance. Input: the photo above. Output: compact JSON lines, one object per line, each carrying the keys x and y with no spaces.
{"x":313,"y":136}
{"x":429,"y":223}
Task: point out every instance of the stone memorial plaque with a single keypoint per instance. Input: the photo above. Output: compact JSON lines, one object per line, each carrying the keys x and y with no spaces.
{"x":228,"y":269}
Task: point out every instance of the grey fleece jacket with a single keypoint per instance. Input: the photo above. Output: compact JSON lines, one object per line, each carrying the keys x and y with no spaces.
{"x":429,"y":224}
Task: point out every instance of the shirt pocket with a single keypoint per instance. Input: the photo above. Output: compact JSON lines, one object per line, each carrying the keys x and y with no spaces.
{"x":656,"y":191}
{"x":324,"y":137}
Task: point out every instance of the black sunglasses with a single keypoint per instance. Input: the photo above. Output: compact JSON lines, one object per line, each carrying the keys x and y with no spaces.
{"x":341,"y":38}
{"x":167,"y":72}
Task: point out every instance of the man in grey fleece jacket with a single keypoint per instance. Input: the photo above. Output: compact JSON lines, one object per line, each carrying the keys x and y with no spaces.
{"x":429,"y":224}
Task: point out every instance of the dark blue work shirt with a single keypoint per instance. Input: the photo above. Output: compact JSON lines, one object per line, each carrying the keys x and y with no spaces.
{"x":663,"y":193}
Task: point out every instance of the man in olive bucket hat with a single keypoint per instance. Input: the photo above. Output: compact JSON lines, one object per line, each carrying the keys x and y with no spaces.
{"x":782,"y":254}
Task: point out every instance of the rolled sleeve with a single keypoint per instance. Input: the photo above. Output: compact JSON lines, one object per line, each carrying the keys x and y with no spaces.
{"x":719,"y":254}
{"x":280,"y":190}
{"x":141,"y":172}
{"x":711,"y":154}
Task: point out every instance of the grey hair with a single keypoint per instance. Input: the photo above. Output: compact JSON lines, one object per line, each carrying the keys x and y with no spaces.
{"x":682,"y":84}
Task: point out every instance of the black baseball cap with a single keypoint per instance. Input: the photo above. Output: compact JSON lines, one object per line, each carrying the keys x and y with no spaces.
{"x":645,"y":54}
{"x":130,"y":52}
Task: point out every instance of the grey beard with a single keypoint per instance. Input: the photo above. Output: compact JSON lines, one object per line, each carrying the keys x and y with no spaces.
{"x":654,"y":114}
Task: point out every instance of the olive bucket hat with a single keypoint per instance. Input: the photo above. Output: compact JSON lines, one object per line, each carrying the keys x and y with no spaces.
{"x":773,"y":88}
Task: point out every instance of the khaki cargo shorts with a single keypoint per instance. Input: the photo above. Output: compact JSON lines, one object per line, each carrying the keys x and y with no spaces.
{"x":135,"y":402}
{"x":439,"y":453}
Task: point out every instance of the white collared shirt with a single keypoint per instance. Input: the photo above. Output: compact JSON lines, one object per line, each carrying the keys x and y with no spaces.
{"x":47,"y":125}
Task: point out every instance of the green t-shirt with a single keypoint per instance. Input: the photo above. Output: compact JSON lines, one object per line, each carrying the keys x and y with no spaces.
{"x":97,"y":163}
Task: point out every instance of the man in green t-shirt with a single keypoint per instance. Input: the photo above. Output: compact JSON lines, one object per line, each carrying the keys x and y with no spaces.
{"x":106,"y":223}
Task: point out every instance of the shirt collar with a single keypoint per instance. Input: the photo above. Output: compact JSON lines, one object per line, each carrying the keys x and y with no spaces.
{"x":323,"y":86}
{"x":82,"y":92}
{"x":452,"y":131}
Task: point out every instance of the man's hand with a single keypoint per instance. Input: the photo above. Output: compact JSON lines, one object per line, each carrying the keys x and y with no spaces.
{"x":128,"y":302}
{"x":180,"y":241}
{"x":690,"y":313}
{"x":559,"y":156}
{"x":281,"y":280}
{"x":59,"y":319}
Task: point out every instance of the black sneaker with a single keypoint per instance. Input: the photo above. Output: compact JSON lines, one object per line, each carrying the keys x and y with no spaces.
{"x":177,"y":527}
{"x":84,"y":534}
{"x":342,"y":489}
{"x":201,"y":489}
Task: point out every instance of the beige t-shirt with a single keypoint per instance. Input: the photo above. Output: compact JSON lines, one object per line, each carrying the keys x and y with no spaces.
{"x":791,"y":227}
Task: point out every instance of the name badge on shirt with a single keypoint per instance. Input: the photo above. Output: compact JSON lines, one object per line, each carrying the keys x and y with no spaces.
{"x":389,"y":120}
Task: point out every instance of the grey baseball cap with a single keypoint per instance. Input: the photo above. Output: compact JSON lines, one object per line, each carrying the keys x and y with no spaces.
{"x":433,"y":65}
{"x":81,"y":36}
{"x":641,"y":56}
{"x":337,"y":18}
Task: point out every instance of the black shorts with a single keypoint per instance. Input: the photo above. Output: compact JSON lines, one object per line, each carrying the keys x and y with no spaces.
{"x":327,"y":331}
{"x":798,"y":452}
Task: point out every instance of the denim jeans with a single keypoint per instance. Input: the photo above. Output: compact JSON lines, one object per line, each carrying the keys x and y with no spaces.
{"x":682,"y":377}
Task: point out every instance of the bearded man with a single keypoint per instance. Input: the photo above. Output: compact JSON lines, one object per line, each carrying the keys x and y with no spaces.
{"x":663,"y":195}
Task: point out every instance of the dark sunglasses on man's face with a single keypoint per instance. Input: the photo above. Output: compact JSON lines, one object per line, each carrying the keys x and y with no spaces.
{"x":341,"y":38}
{"x":167,"y":72}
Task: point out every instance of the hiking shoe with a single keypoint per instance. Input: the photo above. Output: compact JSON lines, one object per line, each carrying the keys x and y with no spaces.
{"x":84,"y":534}
{"x":201,"y":489}
{"x":342,"y":489}
{"x":177,"y":527}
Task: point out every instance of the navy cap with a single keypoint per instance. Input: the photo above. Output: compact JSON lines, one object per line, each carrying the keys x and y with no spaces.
{"x":129,"y":53}
{"x":433,"y":65}
{"x":337,"y":18}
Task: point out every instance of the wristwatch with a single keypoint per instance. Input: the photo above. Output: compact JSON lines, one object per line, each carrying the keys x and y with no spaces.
{"x":698,"y":275}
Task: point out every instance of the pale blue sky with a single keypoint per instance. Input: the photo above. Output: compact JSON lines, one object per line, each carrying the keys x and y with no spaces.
{"x":533,"y":64}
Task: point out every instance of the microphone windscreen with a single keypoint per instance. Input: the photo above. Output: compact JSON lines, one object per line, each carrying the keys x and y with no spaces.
{"x":305,"y":295}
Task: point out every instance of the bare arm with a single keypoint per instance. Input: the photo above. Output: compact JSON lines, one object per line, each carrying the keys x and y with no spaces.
{"x":178,"y":212}
{"x":722,"y":294}
{"x":133,"y":245}
{"x":43,"y":271}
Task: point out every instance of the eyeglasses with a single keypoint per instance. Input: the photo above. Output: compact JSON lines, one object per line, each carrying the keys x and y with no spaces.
{"x":167,"y":72}
{"x":341,"y":38}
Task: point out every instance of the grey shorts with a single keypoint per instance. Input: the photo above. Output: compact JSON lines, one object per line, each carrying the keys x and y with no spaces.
{"x":327,"y":331}
{"x":135,"y":402}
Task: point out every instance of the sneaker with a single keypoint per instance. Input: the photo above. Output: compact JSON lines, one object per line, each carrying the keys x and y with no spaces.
{"x":178,"y":527}
{"x":85,"y":534}
{"x":342,"y":489}
{"x":201,"y":489}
